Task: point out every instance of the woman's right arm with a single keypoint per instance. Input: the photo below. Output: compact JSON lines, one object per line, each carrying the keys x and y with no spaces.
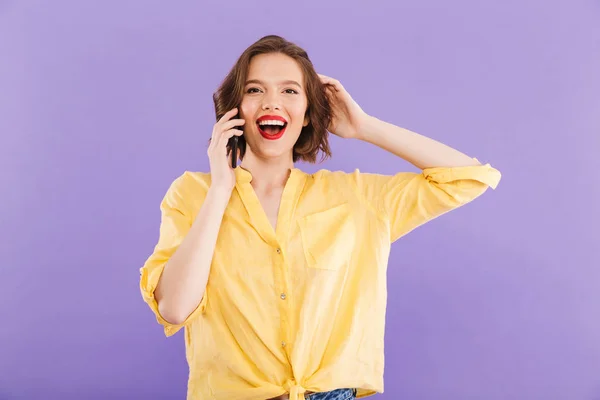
{"x":183,"y":281}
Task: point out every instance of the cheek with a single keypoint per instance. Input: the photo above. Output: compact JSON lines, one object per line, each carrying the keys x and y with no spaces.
{"x":248,"y":108}
{"x":298,"y":111}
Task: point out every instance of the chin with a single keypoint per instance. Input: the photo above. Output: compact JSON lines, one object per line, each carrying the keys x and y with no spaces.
{"x":274,"y":153}
{"x":271,"y":149}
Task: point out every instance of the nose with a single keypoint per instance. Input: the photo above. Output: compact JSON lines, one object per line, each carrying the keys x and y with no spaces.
{"x":271,"y":102}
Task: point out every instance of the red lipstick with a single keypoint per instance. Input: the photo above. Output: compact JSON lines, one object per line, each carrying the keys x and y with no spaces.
{"x":267,"y":135}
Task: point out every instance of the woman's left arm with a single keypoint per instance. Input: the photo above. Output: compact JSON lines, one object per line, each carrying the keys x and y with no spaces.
{"x":449,"y":178}
{"x":419,"y":150}
{"x":350,"y":121}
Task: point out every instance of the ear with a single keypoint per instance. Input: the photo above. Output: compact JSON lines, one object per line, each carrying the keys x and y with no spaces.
{"x":306,"y":120}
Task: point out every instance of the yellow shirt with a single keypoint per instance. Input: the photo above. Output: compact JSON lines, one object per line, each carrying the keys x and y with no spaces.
{"x":300,"y":307}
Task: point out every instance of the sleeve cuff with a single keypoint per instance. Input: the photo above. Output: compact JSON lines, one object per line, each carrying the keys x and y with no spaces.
{"x":148,"y":281}
{"x":485,"y":174}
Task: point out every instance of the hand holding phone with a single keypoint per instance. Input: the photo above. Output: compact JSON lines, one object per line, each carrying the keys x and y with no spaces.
{"x":222,"y":150}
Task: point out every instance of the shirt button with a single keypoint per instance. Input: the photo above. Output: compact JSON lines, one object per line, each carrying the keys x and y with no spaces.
{"x":282,"y":296}
{"x":278,"y":251}
{"x":282,"y":344}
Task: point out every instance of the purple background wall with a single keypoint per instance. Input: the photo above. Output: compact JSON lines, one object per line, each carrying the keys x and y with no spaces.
{"x":103,"y":103}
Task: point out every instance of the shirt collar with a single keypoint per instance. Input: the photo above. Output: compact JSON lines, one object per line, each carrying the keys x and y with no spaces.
{"x":244,"y":176}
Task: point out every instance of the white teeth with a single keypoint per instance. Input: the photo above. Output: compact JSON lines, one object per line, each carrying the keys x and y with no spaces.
{"x":271,"y":122}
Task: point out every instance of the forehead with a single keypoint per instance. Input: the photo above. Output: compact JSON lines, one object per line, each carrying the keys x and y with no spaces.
{"x":274,"y":67}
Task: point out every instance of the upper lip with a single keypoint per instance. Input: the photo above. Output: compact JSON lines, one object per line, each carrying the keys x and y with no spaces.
{"x":272,"y":118}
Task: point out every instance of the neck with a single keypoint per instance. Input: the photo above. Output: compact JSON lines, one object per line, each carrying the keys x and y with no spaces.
{"x":267,"y":174}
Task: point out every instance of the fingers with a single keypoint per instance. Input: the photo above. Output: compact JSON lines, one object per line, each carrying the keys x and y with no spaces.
{"x":229,"y":114}
{"x":331,"y":94}
{"x":331,"y":82}
{"x":219,"y":144}
{"x":330,"y":91}
{"x":218,"y":136}
{"x":225,"y":123}
{"x":232,"y":123}
{"x":225,"y":136}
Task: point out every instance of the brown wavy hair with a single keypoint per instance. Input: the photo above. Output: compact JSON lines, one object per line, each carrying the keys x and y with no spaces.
{"x":313,"y":137}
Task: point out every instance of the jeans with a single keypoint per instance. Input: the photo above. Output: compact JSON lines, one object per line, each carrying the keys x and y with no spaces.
{"x":338,"y":394}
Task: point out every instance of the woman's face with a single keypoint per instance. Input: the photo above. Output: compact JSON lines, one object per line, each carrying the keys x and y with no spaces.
{"x":274,"y":105}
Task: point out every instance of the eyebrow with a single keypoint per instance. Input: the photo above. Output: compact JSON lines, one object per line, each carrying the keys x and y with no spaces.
{"x":259,"y":82}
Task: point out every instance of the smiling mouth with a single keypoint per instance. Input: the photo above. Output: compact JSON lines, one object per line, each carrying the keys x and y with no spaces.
{"x":271,"y":129}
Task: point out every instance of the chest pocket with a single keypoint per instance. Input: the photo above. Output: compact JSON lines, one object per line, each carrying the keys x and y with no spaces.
{"x":328,"y":237}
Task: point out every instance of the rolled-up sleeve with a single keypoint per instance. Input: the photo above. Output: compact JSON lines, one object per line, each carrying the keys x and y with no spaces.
{"x":407,"y":200}
{"x":176,"y":221}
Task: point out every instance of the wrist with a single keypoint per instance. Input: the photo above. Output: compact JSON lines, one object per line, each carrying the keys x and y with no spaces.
{"x":367,"y":128}
{"x":220,"y":193}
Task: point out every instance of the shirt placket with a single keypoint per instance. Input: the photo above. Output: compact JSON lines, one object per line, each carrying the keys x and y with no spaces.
{"x":277,"y":241}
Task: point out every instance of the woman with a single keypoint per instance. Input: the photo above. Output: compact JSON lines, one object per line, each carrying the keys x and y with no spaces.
{"x":279,"y":276}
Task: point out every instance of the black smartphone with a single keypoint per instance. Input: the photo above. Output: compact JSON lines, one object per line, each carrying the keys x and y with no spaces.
{"x":232,"y":144}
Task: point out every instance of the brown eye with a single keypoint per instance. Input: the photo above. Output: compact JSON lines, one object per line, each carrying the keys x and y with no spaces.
{"x":291,"y":91}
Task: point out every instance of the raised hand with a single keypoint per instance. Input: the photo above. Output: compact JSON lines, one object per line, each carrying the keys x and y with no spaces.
{"x":222,"y":174}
